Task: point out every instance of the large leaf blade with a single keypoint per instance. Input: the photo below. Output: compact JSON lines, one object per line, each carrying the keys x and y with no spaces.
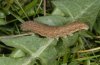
{"x":35,"y":47}
{"x":82,"y":10}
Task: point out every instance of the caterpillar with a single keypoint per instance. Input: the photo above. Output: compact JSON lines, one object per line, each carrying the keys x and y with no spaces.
{"x":53,"y":31}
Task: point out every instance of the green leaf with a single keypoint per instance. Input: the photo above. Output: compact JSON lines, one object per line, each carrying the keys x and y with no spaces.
{"x":97,"y":24}
{"x":52,"y":20}
{"x":64,"y":44}
{"x":17,"y":53}
{"x":12,"y":61}
{"x":70,"y":40}
{"x":2,"y":14}
{"x":58,"y":12}
{"x":2,"y":21}
{"x":28,"y":7}
{"x":35,"y":47}
{"x":81,"y":10}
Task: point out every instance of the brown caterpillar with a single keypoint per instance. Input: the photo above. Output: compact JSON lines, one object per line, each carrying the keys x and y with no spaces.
{"x":53,"y":31}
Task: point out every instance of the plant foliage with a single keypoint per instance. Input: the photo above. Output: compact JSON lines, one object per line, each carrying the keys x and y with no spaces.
{"x":18,"y":49}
